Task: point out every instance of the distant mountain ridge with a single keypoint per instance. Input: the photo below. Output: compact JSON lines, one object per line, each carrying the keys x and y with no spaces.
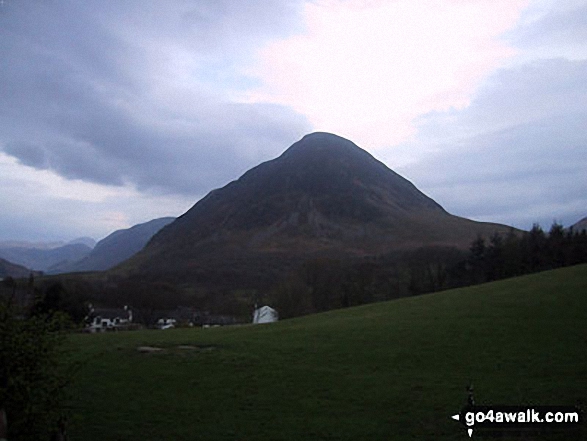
{"x":43,"y":245}
{"x":324,"y":196}
{"x":115,"y":248}
{"x":39,"y":259}
{"x":89,"y":241}
{"x":41,"y":256}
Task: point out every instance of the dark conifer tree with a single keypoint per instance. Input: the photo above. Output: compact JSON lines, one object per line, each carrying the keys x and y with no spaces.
{"x":557,"y":246}
{"x":477,"y":260}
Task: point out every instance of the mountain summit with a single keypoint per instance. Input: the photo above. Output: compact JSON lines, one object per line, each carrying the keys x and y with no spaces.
{"x":322,"y":186}
{"x":323,"y":197}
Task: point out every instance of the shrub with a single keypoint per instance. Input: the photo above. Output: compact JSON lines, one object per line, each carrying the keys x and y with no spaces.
{"x":33,"y":372}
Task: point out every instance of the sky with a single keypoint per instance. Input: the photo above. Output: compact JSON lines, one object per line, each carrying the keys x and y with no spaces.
{"x":115,"y":113}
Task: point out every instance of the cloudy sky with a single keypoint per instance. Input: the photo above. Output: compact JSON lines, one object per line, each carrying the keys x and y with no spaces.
{"x":114,"y":113}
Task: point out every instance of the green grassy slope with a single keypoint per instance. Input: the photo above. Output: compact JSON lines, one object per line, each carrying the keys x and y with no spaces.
{"x":387,"y":371}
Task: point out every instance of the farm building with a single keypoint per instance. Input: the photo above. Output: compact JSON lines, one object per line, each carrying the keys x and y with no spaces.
{"x":108,"y":319}
{"x":265,"y":314}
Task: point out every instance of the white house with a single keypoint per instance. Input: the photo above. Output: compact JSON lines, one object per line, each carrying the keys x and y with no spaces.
{"x":166,"y":323}
{"x":111,"y":319}
{"x":265,"y":314}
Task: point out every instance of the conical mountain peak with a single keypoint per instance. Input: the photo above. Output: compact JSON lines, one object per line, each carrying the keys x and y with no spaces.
{"x":321,"y":175}
{"x":320,"y":143}
{"x":324,"y":196}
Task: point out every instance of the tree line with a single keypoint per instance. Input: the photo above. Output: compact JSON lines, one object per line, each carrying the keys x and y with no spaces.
{"x":518,"y":254}
{"x":330,"y":283}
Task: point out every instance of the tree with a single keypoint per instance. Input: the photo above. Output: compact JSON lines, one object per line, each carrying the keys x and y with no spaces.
{"x":578,"y":247}
{"x":513,"y":264}
{"x":33,"y":372}
{"x":56,"y":298}
{"x":495,"y":265}
{"x":292,"y":297}
{"x":477,"y":260}
{"x":323,"y":277}
{"x":557,"y":246}
{"x":148,"y":298}
{"x":535,"y":249}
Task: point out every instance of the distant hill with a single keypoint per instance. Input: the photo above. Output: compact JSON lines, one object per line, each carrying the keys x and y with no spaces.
{"x":115,"y":248}
{"x":90,"y":242}
{"x":41,"y":259}
{"x":9,"y":269}
{"x":323,"y":197}
{"x":580,"y":225}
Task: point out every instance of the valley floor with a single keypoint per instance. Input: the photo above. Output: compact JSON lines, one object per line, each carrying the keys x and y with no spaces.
{"x":388,"y":371}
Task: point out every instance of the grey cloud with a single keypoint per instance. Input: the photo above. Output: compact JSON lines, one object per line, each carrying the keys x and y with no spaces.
{"x":76,"y":97}
{"x":205,"y":27}
{"x":515,"y":96}
{"x":104,"y":146}
{"x":217,"y":24}
{"x":28,"y":154}
{"x":566,"y":25}
{"x":517,"y":153}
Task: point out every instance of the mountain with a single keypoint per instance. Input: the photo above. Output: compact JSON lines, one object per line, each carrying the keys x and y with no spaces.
{"x":46,"y":245}
{"x":324,"y":197}
{"x":89,"y":241}
{"x":115,"y":247}
{"x":580,"y":225}
{"x":9,"y":269}
{"x":41,"y":259}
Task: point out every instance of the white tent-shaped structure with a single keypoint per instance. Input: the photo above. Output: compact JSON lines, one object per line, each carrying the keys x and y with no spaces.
{"x":265,"y":314}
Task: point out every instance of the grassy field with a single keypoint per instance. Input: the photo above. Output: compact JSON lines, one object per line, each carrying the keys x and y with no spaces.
{"x":388,"y":371}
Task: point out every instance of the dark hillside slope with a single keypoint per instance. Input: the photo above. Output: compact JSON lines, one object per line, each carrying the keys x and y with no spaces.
{"x":9,"y":269}
{"x":324,"y":196}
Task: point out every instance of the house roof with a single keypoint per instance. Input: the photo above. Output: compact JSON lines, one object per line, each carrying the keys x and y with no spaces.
{"x":110,"y":313}
{"x":265,"y":314}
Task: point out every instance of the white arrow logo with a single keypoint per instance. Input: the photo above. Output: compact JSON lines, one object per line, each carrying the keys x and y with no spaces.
{"x":458,"y":418}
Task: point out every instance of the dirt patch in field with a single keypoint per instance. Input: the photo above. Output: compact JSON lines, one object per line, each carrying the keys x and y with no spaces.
{"x":149,"y":349}
{"x":196,"y":347}
{"x":182,"y":348}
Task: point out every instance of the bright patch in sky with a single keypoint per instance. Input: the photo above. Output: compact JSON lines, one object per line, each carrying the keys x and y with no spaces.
{"x":366,"y":69}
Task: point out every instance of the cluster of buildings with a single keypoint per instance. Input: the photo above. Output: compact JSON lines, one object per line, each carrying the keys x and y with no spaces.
{"x":117,"y":319}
